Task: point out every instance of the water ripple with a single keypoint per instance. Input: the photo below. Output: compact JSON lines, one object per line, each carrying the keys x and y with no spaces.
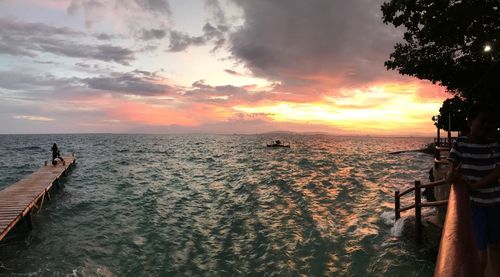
{"x":161,"y":205}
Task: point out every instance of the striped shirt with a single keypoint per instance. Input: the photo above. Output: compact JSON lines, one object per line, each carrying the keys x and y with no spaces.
{"x":478,"y":160}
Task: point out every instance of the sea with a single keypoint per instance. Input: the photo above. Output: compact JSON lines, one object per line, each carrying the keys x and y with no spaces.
{"x":219,"y":205}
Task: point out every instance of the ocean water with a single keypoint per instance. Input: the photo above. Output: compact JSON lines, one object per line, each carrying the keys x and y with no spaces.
{"x":218,"y":205}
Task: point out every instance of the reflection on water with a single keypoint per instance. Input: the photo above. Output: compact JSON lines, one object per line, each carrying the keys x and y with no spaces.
{"x":140,"y":205}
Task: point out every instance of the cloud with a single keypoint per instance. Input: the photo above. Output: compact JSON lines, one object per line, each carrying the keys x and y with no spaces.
{"x":232,"y":72}
{"x":11,"y":27}
{"x":153,"y":34}
{"x":83,"y":65}
{"x":103,"y":36}
{"x":128,"y":83}
{"x":180,"y":41}
{"x":107,"y":53}
{"x":13,"y":50}
{"x":140,"y":83}
{"x":308,"y":43}
{"x":226,"y":95}
{"x":131,"y":13}
{"x":27,"y":39}
{"x":215,"y":10}
{"x":14,"y":80}
{"x":156,"y":6}
{"x":45,"y":62}
{"x":33,"y":118}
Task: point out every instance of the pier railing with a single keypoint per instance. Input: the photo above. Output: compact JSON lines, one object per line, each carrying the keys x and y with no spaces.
{"x":440,"y":164}
{"x":418,"y":204}
{"x":457,"y":253}
{"x":444,"y":142}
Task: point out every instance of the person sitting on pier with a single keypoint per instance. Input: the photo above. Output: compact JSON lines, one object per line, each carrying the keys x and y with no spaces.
{"x":475,"y":163}
{"x":56,"y":155}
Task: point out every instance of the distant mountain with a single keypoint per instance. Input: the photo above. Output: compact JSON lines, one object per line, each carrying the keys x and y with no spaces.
{"x":294,"y":133}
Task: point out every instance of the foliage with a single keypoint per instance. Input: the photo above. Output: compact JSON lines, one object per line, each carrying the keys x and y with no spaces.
{"x":456,"y":109}
{"x":444,"y":42}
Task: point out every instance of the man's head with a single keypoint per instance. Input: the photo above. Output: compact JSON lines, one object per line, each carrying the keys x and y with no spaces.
{"x":480,"y":120}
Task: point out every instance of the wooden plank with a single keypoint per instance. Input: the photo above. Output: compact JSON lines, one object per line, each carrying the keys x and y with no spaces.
{"x":9,"y":215}
{"x":6,"y":212}
{"x":18,"y":206}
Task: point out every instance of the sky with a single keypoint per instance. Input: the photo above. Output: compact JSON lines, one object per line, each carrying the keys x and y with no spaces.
{"x":206,"y":66}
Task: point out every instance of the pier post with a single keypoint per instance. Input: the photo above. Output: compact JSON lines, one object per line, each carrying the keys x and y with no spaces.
{"x":418,"y":212}
{"x":29,"y":221}
{"x":396,"y":205}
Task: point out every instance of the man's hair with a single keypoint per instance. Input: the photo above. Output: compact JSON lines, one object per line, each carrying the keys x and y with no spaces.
{"x":478,"y":108}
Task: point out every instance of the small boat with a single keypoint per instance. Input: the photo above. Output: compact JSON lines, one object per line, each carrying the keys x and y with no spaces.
{"x":278,"y":143}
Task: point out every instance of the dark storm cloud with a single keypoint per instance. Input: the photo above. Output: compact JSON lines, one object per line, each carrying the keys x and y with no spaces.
{"x":26,"y":39}
{"x":298,"y":41}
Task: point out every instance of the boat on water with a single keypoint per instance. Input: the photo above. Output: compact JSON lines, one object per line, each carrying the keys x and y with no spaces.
{"x":278,"y":143}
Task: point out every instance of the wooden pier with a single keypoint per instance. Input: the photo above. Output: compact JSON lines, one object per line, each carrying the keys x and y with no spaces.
{"x":18,"y":200}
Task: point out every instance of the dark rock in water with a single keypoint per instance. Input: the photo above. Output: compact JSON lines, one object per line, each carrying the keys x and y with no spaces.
{"x":431,"y":236}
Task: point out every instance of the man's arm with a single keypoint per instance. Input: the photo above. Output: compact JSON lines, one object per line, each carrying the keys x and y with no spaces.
{"x":454,"y":176}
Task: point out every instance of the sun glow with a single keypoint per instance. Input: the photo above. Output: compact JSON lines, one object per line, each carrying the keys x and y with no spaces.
{"x":367,"y":111}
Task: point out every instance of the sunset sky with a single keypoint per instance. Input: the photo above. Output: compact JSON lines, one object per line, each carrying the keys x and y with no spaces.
{"x":210,"y":66}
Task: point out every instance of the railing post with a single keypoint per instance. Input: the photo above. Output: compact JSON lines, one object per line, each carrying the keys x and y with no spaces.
{"x":396,"y":205}
{"x":418,"y":212}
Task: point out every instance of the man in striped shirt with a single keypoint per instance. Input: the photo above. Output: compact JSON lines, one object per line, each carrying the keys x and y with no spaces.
{"x":476,"y":163}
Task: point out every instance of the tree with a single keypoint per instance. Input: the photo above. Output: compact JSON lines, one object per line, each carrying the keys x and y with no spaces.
{"x":456,"y":109}
{"x":454,"y":43}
